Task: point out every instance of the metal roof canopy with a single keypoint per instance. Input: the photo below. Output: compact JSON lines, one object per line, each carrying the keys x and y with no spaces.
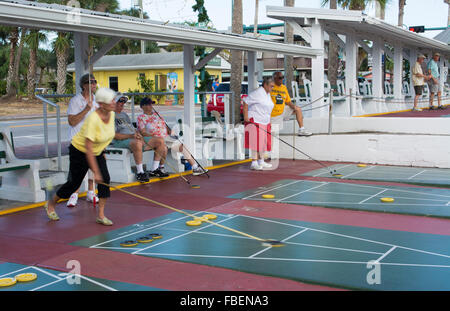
{"x":22,"y":13}
{"x":359,"y":24}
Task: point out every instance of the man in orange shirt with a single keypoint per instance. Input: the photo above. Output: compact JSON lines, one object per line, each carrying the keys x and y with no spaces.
{"x":283,"y":106}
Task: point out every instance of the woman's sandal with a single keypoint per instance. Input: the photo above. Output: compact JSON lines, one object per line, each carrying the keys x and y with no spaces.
{"x":52,"y":215}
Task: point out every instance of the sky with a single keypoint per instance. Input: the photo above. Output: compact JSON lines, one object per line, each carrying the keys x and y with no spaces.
{"x":430,"y":13}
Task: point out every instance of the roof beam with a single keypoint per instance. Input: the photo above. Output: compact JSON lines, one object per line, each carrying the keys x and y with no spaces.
{"x":105,"y":49}
{"x":206,"y":59}
{"x":336,"y":39}
{"x":298,"y":30}
{"x":364,"y":45}
{"x":43,"y":16}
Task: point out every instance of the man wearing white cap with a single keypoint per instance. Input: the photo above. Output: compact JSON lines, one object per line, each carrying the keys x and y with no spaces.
{"x":80,"y":106}
{"x":433,"y":83}
{"x":418,"y":79}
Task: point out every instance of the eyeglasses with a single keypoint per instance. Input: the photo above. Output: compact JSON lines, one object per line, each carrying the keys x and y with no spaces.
{"x":93,"y":81}
{"x":122,"y":101}
{"x":280,"y":77}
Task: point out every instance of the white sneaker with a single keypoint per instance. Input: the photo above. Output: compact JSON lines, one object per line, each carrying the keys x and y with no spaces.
{"x":73,"y":200}
{"x":256,"y":167}
{"x":91,"y":196}
{"x":265,"y":165}
{"x":303,"y":132}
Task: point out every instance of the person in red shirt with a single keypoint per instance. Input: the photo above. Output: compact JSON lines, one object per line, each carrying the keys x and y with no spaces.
{"x":152,"y":124}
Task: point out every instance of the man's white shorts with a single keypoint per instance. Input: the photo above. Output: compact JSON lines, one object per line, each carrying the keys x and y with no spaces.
{"x":285,"y":116}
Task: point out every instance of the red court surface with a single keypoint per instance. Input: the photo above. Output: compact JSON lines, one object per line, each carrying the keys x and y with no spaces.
{"x":29,"y":238}
{"x":425,"y":113}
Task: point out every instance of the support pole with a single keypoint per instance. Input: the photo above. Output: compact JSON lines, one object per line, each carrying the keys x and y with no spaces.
{"x":317,"y":70}
{"x":189,"y":93}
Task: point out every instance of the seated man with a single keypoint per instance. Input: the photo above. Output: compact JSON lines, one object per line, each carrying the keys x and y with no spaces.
{"x":127,"y":137}
{"x":150,"y":124}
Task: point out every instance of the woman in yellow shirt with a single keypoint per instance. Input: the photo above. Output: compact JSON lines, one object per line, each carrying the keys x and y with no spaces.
{"x":87,"y":151}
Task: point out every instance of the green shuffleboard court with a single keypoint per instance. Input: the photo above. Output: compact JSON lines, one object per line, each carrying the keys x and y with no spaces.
{"x":410,"y":175}
{"x":319,"y":253}
{"x":52,"y":280}
{"x":407,"y":200}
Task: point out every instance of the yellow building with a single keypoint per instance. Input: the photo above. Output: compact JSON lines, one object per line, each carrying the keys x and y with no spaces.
{"x":121,"y":72}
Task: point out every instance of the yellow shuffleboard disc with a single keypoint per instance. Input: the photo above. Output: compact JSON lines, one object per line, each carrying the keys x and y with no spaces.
{"x":130,"y":243}
{"x":4,"y":282}
{"x":387,"y":200}
{"x":193,"y":222}
{"x":26,"y":277}
{"x":145,"y":239}
{"x":361,"y":165}
{"x":155,"y":236}
{"x":210,"y":216}
{"x":268,"y":196}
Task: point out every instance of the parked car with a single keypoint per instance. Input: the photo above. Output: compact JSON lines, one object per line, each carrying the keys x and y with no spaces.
{"x":216,"y":101}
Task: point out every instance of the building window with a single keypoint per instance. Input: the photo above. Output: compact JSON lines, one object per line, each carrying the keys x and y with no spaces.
{"x":114,"y":83}
{"x":141,"y":75}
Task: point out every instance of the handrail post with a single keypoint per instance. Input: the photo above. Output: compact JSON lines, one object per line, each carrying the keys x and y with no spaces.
{"x":58,"y":133}
{"x":44,"y":107}
{"x":330,"y":114}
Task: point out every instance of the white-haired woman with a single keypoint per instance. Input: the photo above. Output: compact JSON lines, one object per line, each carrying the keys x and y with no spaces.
{"x":257,"y":109}
{"x":87,"y":151}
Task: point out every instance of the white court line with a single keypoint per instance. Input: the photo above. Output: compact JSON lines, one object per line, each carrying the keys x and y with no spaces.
{"x":179,"y":236}
{"x":397,"y":197}
{"x":372,"y":196}
{"x":296,"y":259}
{"x":14,"y":272}
{"x":322,"y":184}
{"x":338,"y":168}
{"x":48,"y":273}
{"x":133,"y":233}
{"x":353,"y":203}
{"x":351,"y":237}
{"x":77,"y":275}
{"x":401,"y":190}
{"x":271,"y":189}
{"x":289,"y":237}
{"x":46,"y":285}
{"x":359,"y":171}
{"x":385,"y":254}
{"x":292,"y":243}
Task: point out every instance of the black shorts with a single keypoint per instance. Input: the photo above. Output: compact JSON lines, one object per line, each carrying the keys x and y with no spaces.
{"x":418,"y":89}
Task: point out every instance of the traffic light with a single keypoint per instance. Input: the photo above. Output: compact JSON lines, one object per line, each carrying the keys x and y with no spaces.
{"x":417,"y":29}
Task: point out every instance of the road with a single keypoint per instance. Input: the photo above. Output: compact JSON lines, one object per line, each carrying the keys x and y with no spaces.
{"x":31,"y":131}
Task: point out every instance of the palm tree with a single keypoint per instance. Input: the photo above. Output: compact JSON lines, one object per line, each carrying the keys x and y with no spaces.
{"x":11,"y":88}
{"x":33,"y":39}
{"x":401,"y":12}
{"x":236,"y":61}
{"x":333,"y":54}
{"x":289,"y":59}
{"x":61,"y":47}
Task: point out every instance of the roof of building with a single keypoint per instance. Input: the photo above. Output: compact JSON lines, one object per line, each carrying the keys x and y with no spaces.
{"x":145,"y":61}
{"x":443,"y":36}
{"x":358,"y":24}
{"x":29,"y":14}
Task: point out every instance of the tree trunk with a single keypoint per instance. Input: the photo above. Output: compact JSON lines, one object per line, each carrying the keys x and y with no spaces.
{"x":333,"y":54}
{"x":61,"y":71}
{"x":401,"y":12}
{"x":289,"y":59}
{"x":18,"y":57}
{"x":236,"y":61}
{"x":11,"y":88}
{"x":31,"y":75}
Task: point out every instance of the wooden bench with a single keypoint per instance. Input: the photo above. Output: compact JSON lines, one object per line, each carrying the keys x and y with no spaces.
{"x":20,"y":178}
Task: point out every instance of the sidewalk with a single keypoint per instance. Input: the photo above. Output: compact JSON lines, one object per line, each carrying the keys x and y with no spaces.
{"x":137,"y":110}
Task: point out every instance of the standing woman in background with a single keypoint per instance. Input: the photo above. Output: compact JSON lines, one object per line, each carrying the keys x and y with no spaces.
{"x":87,"y":151}
{"x":257,"y":109}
